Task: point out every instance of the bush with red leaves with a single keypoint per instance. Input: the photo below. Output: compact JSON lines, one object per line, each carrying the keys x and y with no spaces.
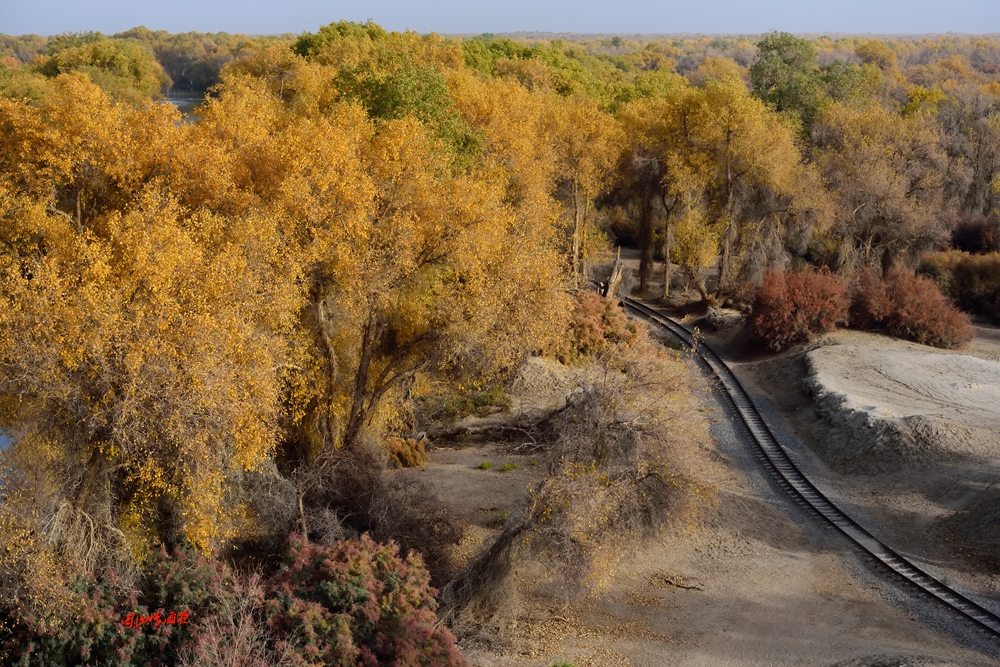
{"x":598,"y":324}
{"x":100,"y":629}
{"x":357,"y":603}
{"x":790,"y":306}
{"x":909,"y":306}
{"x":871,"y":303}
{"x":973,"y":281}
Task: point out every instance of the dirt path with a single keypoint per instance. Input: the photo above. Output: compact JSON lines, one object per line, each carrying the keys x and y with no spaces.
{"x":756,"y":583}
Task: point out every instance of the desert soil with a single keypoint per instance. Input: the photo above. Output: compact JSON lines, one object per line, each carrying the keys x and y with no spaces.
{"x":908,"y":437}
{"x":758,"y":581}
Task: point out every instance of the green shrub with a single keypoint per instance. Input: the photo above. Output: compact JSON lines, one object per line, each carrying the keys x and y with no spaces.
{"x":91,"y":635}
{"x":186,"y":579}
{"x":101,"y":630}
{"x":976,"y":280}
{"x":790,"y":306}
{"x":485,"y":465}
{"x":940,"y":267}
{"x":506,"y":467}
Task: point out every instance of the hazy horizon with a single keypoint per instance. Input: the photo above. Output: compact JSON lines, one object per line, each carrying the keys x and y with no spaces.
{"x":713,"y":17}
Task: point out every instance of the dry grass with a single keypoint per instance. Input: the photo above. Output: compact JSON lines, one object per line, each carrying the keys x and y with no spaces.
{"x":238,"y":636}
{"x":626,"y":461}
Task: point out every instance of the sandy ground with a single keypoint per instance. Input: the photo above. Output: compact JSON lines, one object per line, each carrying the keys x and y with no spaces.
{"x":757,"y":582}
{"x":908,"y":437}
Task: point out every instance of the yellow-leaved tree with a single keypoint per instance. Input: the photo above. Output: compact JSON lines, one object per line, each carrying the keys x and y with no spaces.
{"x":728,"y":169}
{"x":888,"y":174}
{"x":185,"y":303}
{"x":587,"y":143}
{"x":141,"y":341}
{"x":406,"y":263}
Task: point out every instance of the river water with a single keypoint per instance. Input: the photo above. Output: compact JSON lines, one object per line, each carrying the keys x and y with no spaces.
{"x":185,"y":101}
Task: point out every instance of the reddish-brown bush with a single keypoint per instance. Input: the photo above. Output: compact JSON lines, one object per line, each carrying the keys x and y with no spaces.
{"x":357,"y":604}
{"x":972,"y":281}
{"x":909,"y":306}
{"x":871,"y":302}
{"x":597,"y":325}
{"x":790,"y":306}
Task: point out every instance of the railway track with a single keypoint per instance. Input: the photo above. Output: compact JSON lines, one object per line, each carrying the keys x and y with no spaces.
{"x":793,"y":482}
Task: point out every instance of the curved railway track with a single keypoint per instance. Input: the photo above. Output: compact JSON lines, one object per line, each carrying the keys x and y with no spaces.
{"x":792,"y":481}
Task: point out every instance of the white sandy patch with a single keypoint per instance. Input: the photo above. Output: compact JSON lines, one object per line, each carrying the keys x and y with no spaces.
{"x":900,"y":402}
{"x":892,"y":383}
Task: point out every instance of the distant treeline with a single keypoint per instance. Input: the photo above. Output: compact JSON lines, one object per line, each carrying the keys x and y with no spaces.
{"x":192,"y":61}
{"x":188,"y":61}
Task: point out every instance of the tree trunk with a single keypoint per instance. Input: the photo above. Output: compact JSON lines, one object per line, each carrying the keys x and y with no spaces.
{"x":668,"y":268}
{"x":91,"y":478}
{"x":302,"y":519}
{"x":328,"y":426}
{"x":728,"y":233}
{"x":724,"y":262}
{"x":359,"y":406}
{"x":645,"y":239}
{"x":617,"y":273}
{"x":577,"y":230}
{"x":699,"y":284}
{"x":79,"y":211}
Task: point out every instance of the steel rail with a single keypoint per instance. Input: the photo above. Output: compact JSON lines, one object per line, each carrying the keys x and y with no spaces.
{"x":792,"y":481}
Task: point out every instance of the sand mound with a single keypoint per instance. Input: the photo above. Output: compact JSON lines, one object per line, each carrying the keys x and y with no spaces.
{"x":899,"y":407}
{"x":542,"y":385}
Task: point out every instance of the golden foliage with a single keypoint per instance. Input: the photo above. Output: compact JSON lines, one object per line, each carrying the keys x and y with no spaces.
{"x":177,"y":299}
{"x":722,"y":161}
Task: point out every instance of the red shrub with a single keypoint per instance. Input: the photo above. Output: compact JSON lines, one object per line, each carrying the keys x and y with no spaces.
{"x":909,"y":306}
{"x":597,"y":325}
{"x":871,"y":303}
{"x":357,"y":604}
{"x":789,"y":307}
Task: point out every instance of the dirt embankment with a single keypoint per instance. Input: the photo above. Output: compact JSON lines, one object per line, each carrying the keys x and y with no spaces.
{"x":900,"y":407}
{"x":909,"y":435}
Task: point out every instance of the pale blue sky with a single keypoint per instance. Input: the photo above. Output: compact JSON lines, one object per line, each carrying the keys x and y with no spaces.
{"x":48,"y":17}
